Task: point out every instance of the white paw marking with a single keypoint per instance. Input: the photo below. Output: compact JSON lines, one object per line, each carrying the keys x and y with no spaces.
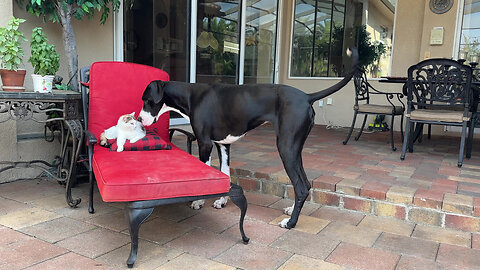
{"x":197,"y":204}
{"x":284,"y":222}
{"x":288,"y":210}
{"x":220,"y":202}
{"x":120,"y":149}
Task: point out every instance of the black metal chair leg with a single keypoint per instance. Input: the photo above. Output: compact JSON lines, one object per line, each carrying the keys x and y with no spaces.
{"x":391,"y":134}
{"x":351,"y":128}
{"x":401,"y":126}
{"x":462,"y":144}
{"x":237,"y":197}
{"x":135,"y":217}
{"x":361,"y":129}
{"x":405,"y":139}
{"x":412,"y":137}
{"x":90,"y":193}
{"x":471,"y":130}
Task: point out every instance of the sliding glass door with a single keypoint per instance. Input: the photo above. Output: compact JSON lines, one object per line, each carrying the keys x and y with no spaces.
{"x":226,"y":46}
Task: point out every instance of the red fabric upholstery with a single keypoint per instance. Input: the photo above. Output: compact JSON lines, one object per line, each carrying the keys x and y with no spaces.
{"x":148,"y":175}
{"x":116,"y":88}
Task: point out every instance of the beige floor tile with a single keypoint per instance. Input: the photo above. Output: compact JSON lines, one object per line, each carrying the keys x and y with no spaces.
{"x":351,"y":234}
{"x":442,"y":235}
{"x":188,"y":261}
{"x":300,"y":262}
{"x":94,"y":243}
{"x":149,"y":256}
{"x":58,"y":229}
{"x":387,"y":225}
{"x":306,"y":224}
{"x":26,"y":217}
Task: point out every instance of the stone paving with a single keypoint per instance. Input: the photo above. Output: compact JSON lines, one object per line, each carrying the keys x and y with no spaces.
{"x":367,"y":176}
{"x":41,"y":232}
{"x":376,"y":212}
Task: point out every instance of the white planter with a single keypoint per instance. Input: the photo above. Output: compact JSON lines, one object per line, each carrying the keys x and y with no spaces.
{"x":42,"y":84}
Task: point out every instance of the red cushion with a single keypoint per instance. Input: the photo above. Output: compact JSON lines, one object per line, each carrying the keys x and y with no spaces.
{"x":148,"y":175}
{"x":116,"y":88}
{"x":151,"y":141}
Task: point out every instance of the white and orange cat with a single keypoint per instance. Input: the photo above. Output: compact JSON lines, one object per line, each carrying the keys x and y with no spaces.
{"x":127,"y":128}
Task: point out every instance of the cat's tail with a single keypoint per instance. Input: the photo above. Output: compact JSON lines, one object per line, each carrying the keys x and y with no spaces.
{"x":352,"y":52}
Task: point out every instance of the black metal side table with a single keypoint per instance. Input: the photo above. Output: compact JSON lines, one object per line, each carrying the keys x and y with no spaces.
{"x":63,"y":110}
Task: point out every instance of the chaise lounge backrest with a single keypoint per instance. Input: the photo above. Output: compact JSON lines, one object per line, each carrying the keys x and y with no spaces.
{"x":116,"y":88}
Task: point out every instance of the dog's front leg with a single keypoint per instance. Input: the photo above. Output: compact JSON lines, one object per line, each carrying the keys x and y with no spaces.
{"x":224,"y":156}
{"x":205,"y":155}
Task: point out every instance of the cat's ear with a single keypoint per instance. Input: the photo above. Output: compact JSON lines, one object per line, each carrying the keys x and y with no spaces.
{"x":133,"y":114}
{"x":155,"y":89}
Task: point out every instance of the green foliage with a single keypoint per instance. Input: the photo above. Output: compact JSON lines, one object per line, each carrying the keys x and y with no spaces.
{"x":63,"y":86}
{"x":45,"y":60}
{"x":369,"y":53}
{"x":49,"y":9}
{"x":11,"y":51}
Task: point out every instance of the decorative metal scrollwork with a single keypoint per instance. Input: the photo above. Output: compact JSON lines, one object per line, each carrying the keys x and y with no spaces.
{"x":27,"y":110}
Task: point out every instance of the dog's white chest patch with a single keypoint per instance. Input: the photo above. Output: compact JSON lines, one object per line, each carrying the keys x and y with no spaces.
{"x":230,"y":139}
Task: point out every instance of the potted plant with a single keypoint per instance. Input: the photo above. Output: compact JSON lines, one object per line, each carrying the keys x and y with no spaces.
{"x":45,"y":61}
{"x":11,"y":53}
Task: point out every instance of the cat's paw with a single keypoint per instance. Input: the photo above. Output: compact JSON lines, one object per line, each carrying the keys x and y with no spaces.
{"x":288,"y":210}
{"x":220,"y":203}
{"x":120,"y":148}
{"x":103,"y":139}
{"x":197,"y":204}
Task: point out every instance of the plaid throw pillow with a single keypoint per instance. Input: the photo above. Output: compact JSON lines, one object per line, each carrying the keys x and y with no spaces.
{"x":151,"y":141}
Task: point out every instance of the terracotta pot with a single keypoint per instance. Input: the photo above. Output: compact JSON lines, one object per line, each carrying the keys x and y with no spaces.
{"x":13,"y":80}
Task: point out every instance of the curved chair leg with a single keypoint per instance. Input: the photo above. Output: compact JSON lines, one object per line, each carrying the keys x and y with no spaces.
{"x":351,"y":128}
{"x":391,"y":134}
{"x":361,"y":129}
{"x":462,"y":144}
{"x":405,"y":139}
{"x":429,"y":136}
{"x":135,"y":217}
{"x":237,"y":197}
{"x":412,"y":136}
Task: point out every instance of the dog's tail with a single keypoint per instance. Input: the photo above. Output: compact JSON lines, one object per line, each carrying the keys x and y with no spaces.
{"x":353,"y":52}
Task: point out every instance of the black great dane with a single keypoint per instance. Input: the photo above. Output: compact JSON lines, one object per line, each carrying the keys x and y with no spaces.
{"x":220,"y":114}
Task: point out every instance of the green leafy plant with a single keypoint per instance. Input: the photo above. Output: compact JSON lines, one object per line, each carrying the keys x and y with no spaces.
{"x":45,"y":59}
{"x":11,"y":51}
{"x":62,"y":11}
{"x":63,"y":86}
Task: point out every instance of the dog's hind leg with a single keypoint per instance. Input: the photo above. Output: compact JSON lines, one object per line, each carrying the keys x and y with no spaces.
{"x":290,"y":145}
{"x":204,"y":153}
{"x":224,"y":156}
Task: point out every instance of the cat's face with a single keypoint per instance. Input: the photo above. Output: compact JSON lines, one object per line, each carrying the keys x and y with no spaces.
{"x":128,"y":122}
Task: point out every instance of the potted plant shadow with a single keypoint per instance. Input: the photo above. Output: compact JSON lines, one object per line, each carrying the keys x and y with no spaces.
{"x":11,"y":53}
{"x":45,"y":61}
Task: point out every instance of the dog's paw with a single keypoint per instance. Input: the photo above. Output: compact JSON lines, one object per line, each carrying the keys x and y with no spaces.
{"x":220,"y":203}
{"x":288,"y":210}
{"x":284,"y":222}
{"x":197,"y":204}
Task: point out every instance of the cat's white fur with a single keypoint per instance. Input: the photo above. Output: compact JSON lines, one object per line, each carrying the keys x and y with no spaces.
{"x":127,"y":128}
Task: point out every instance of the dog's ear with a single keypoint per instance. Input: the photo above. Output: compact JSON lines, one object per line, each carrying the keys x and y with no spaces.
{"x":155,"y":89}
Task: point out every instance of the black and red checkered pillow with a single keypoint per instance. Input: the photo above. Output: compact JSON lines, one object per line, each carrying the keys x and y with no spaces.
{"x":151,"y":141}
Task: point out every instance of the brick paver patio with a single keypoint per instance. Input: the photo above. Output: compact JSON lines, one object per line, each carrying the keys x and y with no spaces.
{"x":383,"y":214}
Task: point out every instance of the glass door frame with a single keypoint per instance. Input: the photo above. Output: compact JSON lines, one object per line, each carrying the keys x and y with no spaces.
{"x":118,"y":48}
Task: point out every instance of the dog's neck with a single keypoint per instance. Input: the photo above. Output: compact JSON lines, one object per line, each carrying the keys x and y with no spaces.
{"x":178,"y":98}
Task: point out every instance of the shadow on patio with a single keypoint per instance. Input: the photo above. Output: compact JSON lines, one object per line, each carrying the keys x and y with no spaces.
{"x":413,"y":214}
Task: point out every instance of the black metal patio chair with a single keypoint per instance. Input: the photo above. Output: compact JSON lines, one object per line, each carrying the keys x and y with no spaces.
{"x":438,"y":92}
{"x":363,"y":105}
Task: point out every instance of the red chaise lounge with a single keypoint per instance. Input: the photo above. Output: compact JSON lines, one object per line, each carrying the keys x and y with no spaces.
{"x":143,"y":179}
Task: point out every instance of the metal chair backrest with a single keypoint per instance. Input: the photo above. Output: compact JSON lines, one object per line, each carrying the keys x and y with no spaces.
{"x":361,"y":87}
{"x":439,"y":82}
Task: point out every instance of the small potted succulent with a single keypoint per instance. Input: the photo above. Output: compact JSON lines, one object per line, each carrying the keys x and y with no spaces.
{"x":45,"y":61}
{"x":11,"y":53}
